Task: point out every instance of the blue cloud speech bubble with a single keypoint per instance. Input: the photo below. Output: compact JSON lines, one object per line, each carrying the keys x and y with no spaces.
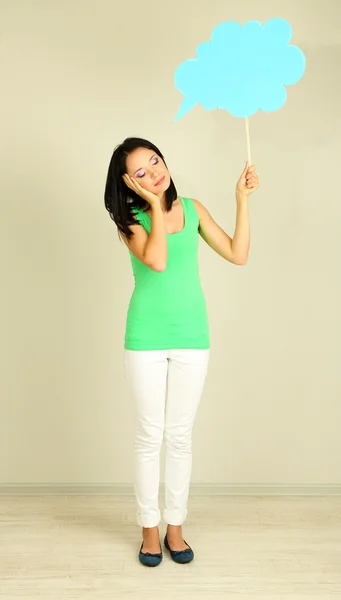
{"x":242,"y":69}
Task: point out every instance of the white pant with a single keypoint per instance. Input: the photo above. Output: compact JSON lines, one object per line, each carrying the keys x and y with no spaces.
{"x":166,"y":387}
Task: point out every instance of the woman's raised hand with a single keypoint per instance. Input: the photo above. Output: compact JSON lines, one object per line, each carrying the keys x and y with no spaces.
{"x":248,"y":181}
{"x":133,"y":185}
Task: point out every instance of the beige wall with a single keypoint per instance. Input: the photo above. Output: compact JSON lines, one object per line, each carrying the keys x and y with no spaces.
{"x":76,"y":78}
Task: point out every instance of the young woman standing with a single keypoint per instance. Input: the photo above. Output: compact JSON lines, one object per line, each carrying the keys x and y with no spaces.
{"x":167,"y":333}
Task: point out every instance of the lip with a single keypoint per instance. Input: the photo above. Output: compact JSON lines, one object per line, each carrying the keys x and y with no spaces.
{"x":160,"y":181}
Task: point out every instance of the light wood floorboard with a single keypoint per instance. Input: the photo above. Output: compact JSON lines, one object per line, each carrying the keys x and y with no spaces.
{"x":85,"y":547}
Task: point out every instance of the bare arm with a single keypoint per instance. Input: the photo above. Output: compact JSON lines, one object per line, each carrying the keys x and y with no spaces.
{"x":234,"y":249}
{"x":150,"y":249}
{"x":216,"y":237}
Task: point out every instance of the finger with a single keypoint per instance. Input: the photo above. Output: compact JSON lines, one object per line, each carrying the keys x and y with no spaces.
{"x":130,"y":184}
{"x":245,"y":168}
{"x":126,"y":178}
{"x":133,"y":183}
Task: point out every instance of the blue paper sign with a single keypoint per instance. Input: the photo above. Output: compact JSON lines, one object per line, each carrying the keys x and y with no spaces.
{"x":242,"y":69}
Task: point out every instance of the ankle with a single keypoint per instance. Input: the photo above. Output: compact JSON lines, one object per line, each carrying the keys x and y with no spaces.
{"x":150,"y":531}
{"x":174,"y":530}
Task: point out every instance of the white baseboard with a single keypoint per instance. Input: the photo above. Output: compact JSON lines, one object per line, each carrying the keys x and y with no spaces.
{"x":197,"y":489}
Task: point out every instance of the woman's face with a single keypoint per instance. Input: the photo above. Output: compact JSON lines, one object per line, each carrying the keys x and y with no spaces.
{"x":149,"y":170}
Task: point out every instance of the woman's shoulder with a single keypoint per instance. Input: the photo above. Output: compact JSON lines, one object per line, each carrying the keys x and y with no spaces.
{"x":186,"y":200}
{"x":194,"y":204}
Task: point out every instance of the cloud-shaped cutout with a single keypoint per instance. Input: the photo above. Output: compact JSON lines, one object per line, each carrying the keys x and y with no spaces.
{"x":242,"y":69}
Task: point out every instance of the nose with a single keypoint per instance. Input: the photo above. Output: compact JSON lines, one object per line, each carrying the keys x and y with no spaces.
{"x":155,"y":174}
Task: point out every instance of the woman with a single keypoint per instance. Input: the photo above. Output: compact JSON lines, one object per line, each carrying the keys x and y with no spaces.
{"x":167,"y":334}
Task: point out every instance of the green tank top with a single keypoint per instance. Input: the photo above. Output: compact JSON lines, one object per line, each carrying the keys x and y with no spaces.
{"x":168,"y":310}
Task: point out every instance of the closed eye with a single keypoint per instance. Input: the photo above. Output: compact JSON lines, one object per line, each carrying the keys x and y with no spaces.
{"x":154,"y":161}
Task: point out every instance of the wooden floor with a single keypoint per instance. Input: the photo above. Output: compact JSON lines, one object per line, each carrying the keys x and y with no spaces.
{"x":85,"y":547}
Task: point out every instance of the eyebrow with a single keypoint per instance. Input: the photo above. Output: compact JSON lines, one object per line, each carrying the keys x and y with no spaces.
{"x":141,"y":168}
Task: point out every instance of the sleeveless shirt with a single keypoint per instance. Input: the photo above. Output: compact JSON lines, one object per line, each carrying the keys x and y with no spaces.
{"x":167,"y":310}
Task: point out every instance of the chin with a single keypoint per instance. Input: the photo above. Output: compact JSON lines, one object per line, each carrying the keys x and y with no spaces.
{"x":164,"y":187}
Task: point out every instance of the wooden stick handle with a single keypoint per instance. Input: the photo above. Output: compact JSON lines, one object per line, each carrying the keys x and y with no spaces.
{"x":247,"y":127}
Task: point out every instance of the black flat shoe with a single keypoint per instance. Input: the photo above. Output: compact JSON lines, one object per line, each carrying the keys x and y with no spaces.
{"x":180,"y":556}
{"x":148,"y":559}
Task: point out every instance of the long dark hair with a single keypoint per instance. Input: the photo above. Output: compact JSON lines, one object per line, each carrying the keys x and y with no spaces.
{"x":118,"y":198}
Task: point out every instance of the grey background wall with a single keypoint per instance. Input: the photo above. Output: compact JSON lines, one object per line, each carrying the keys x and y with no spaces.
{"x":77,"y":77}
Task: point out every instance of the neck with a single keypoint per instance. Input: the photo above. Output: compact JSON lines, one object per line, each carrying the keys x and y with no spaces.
{"x":162,"y":198}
